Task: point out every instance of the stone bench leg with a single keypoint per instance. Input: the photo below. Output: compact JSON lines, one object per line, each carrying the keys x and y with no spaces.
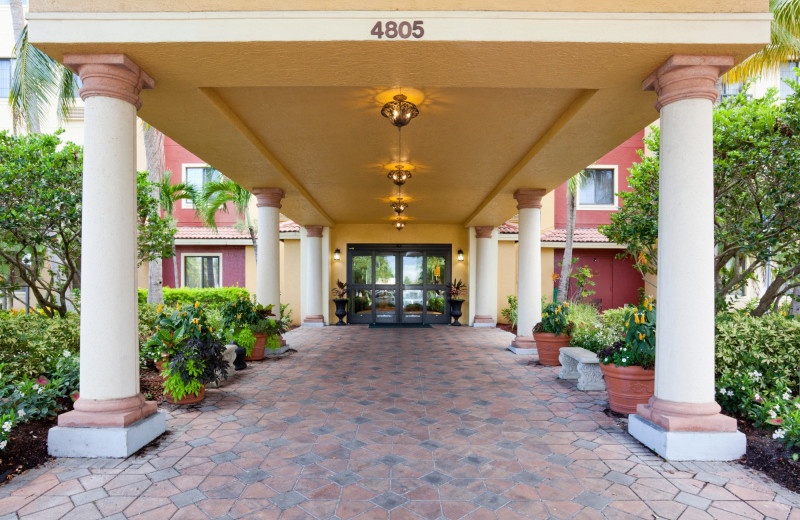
{"x":591,"y":377}
{"x":569,"y":367}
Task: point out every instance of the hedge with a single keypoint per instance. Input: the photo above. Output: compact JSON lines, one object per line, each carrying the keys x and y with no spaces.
{"x":183,"y":296}
{"x":31,"y":344}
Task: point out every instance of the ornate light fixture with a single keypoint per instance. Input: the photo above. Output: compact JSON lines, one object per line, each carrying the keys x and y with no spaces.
{"x":399,"y":223}
{"x":460,"y":255}
{"x":399,"y":176}
{"x":400,"y":112}
{"x":399,"y":206}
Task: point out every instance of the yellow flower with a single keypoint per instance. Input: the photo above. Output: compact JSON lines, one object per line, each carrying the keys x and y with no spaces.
{"x":159,"y":309}
{"x":650,"y":308}
{"x":636,"y":318}
{"x":199,"y":328}
{"x":641,"y":337}
{"x":156,"y":328}
{"x":239,"y":316}
{"x":627,"y":324}
{"x":196,"y":304}
{"x":211,"y":329}
{"x":179,"y":306}
{"x":555,"y":276}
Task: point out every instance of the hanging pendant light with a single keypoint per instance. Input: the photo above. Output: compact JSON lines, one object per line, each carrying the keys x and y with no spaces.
{"x":400,"y":112}
{"x":399,"y":223}
{"x":399,"y":206}
{"x":399,"y":175}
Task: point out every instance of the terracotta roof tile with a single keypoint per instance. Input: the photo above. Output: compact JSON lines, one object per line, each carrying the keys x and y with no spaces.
{"x":509,"y":228}
{"x":288,"y":226}
{"x":581,"y":235}
{"x":224,"y":232}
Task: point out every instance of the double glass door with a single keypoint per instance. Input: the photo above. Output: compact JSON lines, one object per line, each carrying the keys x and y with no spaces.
{"x":398,"y":283}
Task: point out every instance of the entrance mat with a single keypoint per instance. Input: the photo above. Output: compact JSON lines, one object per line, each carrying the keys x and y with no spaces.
{"x":399,"y":326}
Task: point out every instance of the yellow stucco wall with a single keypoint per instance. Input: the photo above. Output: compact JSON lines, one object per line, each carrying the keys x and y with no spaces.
{"x":290,"y":276}
{"x":250,"y":272}
{"x":344,"y":234}
{"x":506,"y":274}
{"x":547,"y":272}
{"x":622,"y":6}
{"x":548,"y":211}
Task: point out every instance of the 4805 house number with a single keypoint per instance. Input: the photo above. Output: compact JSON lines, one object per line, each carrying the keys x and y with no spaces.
{"x":404,"y":30}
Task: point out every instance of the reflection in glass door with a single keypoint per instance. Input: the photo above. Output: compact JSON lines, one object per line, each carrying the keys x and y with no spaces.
{"x":398,"y":283}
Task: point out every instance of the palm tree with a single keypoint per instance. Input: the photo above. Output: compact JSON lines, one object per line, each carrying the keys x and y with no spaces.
{"x":566,"y":264}
{"x":784,"y":43}
{"x":215,"y":197}
{"x":168,"y":195}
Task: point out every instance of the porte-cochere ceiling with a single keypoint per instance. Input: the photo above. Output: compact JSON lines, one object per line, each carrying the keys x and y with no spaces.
{"x":511,"y":99}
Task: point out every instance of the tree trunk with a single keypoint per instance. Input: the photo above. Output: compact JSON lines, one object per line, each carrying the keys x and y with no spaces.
{"x":154,"y":150}
{"x":796,"y":302}
{"x":566,"y":263}
{"x":252,"y":234}
{"x":770,"y":295}
{"x":175,"y":264}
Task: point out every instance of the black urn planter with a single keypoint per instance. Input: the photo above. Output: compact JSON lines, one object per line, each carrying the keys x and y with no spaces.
{"x":238,"y":363}
{"x":341,"y":309}
{"x":455,"y":311}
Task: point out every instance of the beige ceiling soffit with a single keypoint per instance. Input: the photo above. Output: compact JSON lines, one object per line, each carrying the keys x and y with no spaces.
{"x":580,"y":100}
{"x":245,"y":130}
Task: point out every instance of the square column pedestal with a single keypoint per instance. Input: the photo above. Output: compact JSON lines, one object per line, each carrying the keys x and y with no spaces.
{"x":105,"y":442}
{"x":686,"y":445}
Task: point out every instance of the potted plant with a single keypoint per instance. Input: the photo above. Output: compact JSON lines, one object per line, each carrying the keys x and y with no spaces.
{"x":553,"y":332}
{"x":242,"y":314}
{"x":341,"y":300}
{"x":454,"y":291}
{"x":629,"y":365}
{"x":191,"y":353}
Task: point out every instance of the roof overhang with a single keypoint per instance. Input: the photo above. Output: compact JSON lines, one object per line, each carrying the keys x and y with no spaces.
{"x":290,"y":99}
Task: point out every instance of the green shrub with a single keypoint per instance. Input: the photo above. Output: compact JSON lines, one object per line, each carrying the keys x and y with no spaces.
{"x":510,"y":313}
{"x":595,"y":331}
{"x":215,"y":297}
{"x":30,"y":344}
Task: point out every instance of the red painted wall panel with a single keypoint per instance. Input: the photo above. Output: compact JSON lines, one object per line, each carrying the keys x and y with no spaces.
{"x":233,"y":264}
{"x":623,"y":156}
{"x":616,"y":280}
{"x":175,"y":156}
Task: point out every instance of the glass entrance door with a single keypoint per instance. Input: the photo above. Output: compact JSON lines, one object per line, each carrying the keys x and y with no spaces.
{"x":397,"y":283}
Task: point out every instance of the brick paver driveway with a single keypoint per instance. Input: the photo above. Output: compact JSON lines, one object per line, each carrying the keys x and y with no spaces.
{"x":378,"y":423}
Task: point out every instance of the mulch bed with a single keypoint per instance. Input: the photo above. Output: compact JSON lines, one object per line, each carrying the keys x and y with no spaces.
{"x":506,"y":327}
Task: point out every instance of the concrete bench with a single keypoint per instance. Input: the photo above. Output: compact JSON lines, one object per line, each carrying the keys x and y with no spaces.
{"x":578,"y":363}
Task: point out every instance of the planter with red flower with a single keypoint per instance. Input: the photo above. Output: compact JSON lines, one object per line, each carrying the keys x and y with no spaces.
{"x":552,"y":333}
{"x":629,"y":365}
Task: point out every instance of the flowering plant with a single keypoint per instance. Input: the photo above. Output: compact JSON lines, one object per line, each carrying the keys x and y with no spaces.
{"x":639,"y":345}
{"x":555,"y":320}
{"x":455,"y":289}
{"x":242,"y":313}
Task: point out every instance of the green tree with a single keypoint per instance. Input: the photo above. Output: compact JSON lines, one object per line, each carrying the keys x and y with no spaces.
{"x":216,"y":196}
{"x":168,"y":195}
{"x":156,"y":233}
{"x":573,"y":184}
{"x":756,"y":197}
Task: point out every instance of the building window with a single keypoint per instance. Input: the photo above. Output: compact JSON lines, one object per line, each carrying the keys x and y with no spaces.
{"x":198,"y":176}
{"x":202,"y":271}
{"x":6,"y":67}
{"x":788,"y":72}
{"x":597,"y":189}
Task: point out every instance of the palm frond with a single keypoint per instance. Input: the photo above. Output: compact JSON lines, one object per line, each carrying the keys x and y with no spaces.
{"x":33,"y":83}
{"x":66,"y":94}
{"x":216,"y":196}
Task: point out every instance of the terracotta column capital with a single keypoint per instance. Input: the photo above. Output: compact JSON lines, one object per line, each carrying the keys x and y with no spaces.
{"x":109,"y":75}
{"x":685,"y":77}
{"x":529,"y":198}
{"x":314,"y":231}
{"x":270,"y":197}
{"x":483,"y":231}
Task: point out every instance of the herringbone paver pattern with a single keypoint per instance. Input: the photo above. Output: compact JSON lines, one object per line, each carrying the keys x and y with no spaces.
{"x":393,"y":423}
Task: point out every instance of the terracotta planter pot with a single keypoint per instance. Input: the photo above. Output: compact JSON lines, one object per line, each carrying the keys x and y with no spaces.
{"x":549,"y":346}
{"x":187,"y":399}
{"x":257,"y":354}
{"x":628,"y":387}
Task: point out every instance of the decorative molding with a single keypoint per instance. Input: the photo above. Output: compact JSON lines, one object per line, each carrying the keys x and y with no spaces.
{"x":269,"y":197}
{"x":529,"y":198}
{"x":314,"y":231}
{"x":109,"y":75}
{"x":483,"y":231}
{"x":687,"y":77}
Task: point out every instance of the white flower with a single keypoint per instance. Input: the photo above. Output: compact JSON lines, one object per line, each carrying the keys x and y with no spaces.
{"x":21,"y":413}
{"x":3,"y":445}
{"x":786,"y":396}
{"x":755,"y":374}
{"x":797,"y":404}
{"x":67,"y":353}
{"x":7,"y":426}
{"x":39,"y":391}
{"x":730,"y":393}
{"x":624,"y":360}
{"x":722,"y":391}
{"x":35,"y":386}
{"x":779,"y":434}
{"x":772,"y":414}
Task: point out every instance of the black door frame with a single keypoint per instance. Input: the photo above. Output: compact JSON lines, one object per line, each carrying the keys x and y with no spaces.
{"x":443,"y":250}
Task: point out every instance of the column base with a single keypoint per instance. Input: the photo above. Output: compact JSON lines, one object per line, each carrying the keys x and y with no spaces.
{"x":314,"y":320}
{"x":483,"y":321}
{"x":688,"y":445}
{"x":95,"y":442}
{"x":686,"y":417}
{"x":523,"y":346}
{"x":107,"y":413}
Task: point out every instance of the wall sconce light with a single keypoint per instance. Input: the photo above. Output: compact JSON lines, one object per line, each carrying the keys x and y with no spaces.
{"x":460,"y":255}
{"x":337,"y":254}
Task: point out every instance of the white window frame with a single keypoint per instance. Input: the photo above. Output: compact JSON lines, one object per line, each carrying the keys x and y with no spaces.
{"x":186,"y":203}
{"x":601,"y":207}
{"x":183,"y":266}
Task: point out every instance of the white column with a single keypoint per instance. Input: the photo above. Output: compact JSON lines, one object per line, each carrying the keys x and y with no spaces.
{"x":109,"y":372}
{"x":313,"y":282}
{"x":684,"y":389}
{"x":486,"y":292}
{"x":268,"y":261}
{"x":529,"y":264}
